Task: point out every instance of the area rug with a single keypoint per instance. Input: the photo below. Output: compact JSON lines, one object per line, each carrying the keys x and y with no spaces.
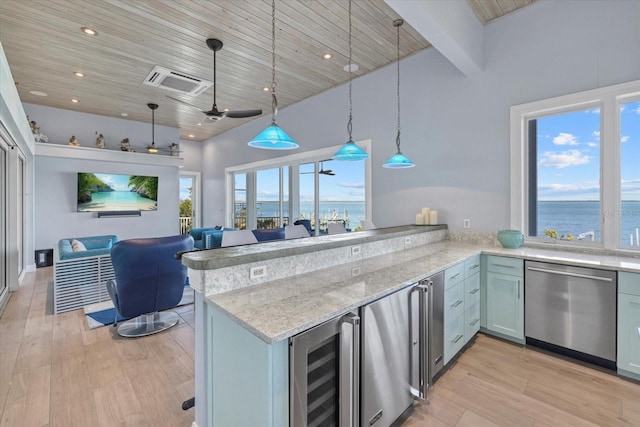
{"x":104,"y":313}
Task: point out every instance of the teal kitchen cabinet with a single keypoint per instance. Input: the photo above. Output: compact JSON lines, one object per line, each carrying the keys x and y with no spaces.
{"x":629,"y":325}
{"x":505,"y":297}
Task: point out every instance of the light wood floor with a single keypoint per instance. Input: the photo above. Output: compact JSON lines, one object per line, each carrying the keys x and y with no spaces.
{"x":56,"y":372}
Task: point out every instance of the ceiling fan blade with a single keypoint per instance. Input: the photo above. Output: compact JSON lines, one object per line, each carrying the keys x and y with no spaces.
{"x":241,"y":114}
{"x":185,"y":103}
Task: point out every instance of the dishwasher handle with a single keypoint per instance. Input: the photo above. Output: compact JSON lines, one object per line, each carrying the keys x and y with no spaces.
{"x":567,"y":273}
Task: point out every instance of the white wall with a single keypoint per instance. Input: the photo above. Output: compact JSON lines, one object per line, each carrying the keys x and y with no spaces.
{"x":455,"y":128}
{"x":56,"y":186}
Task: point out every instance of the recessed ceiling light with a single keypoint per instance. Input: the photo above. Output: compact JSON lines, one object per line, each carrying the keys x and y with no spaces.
{"x":226,"y":109}
{"x":74,"y":100}
{"x":266,"y":89}
{"x":199,"y":124}
{"x":353,"y":67}
{"x":327,"y":56}
{"x":124,"y":114}
{"x":78,"y":74}
{"x":89,"y":31}
{"x":38,"y":93}
{"x":190,"y":135}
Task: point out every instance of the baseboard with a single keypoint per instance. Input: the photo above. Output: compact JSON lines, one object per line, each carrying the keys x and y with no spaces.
{"x":193,"y":424}
{"x":30,"y":268}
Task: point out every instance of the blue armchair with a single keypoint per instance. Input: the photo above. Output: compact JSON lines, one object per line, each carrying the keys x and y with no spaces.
{"x":149,"y":279}
{"x":208,"y":238}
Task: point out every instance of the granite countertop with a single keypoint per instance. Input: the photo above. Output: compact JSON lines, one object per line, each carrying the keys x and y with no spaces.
{"x":235,"y":255}
{"x":277,"y":310}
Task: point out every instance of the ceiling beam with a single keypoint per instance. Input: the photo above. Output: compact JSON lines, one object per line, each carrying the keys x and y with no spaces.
{"x":450,"y":26}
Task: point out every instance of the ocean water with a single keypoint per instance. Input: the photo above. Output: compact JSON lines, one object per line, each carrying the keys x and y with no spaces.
{"x":117,"y":200}
{"x":578,"y":217}
{"x":328,"y":210}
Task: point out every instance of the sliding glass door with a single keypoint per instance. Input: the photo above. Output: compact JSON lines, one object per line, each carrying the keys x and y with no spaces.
{"x":4,"y":240}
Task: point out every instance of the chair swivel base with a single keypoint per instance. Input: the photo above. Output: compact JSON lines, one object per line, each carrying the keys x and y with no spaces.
{"x":148,"y":324}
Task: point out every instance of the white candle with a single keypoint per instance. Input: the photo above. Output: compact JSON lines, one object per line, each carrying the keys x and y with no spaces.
{"x":425,"y":213}
{"x":419,"y":219}
{"x":433,"y":217}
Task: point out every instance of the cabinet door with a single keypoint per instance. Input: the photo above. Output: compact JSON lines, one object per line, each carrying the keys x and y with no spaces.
{"x":629,"y":333}
{"x":505,"y":305}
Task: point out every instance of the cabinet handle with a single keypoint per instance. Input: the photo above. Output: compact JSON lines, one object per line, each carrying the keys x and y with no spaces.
{"x":518,"y":285}
{"x":473,"y":267}
{"x":639,"y":331}
{"x":456,"y":339}
{"x":455,"y":275}
{"x":503,"y":265}
{"x":475,"y":291}
{"x":474,"y":322}
{"x":457,"y":303}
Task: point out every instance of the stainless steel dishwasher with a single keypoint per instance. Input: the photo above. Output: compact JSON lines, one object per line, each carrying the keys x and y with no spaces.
{"x":571,"y":310}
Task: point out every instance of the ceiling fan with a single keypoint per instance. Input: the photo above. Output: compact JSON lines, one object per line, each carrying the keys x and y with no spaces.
{"x":322,"y":171}
{"x":213,"y":114}
{"x":173,"y":149}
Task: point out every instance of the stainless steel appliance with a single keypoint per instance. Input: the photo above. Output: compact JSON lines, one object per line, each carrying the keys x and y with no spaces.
{"x":572,"y":310}
{"x":402,"y":350}
{"x":324,"y":374}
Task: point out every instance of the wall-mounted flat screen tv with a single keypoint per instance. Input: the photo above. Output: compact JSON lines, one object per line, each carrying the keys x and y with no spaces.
{"x":99,"y":192}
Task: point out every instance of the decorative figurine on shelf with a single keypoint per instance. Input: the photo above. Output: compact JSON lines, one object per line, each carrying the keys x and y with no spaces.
{"x":174,"y":149}
{"x":125,"y":146}
{"x":35,"y":129}
{"x":100,"y":141}
{"x":73,"y":141}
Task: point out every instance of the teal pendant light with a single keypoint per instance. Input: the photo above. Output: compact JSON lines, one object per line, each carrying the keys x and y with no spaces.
{"x":398,"y":160}
{"x":273,"y":137}
{"x":350,"y":151}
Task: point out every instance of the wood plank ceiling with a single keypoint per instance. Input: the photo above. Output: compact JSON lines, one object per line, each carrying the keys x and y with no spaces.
{"x":45,"y":47}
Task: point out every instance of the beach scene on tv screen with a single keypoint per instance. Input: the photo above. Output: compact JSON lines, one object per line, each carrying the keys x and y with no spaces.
{"x":114,"y":192}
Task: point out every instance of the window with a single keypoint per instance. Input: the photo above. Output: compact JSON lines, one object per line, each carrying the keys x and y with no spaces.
{"x":564,"y":175}
{"x":303,"y":186}
{"x":630,"y":174}
{"x":574,"y":168}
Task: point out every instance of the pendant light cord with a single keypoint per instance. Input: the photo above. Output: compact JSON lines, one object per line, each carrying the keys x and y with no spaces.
{"x":398,"y":23}
{"x":274,"y":101}
{"x":349,"y":123}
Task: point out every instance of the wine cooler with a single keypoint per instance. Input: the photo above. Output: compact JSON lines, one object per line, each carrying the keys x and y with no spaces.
{"x":324,"y":374}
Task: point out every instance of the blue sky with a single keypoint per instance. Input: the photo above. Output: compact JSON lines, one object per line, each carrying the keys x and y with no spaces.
{"x":569,"y":155}
{"x":117,"y":182}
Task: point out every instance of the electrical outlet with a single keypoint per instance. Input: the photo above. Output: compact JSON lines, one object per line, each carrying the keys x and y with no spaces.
{"x":355,"y":250}
{"x":257,"y":272}
{"x":407,"y":240}
{"x":467,"y":223}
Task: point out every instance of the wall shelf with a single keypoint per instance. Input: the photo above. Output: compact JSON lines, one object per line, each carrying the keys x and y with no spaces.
{"x":105,"y":155}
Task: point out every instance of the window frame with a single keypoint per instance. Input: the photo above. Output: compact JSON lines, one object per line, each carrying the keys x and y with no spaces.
{"x":608,"y":99}
{"x":293,"y":161}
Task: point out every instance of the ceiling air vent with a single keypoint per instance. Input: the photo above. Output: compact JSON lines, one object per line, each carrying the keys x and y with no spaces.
{"x":178,"y":82}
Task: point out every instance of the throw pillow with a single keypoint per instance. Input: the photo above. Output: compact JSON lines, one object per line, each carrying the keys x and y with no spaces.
{"x":77,"y":246}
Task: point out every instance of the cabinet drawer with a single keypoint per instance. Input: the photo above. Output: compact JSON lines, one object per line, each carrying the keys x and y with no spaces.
{"x":628,"y":283}
{"x":453,"y":302}
{"x":453,"y":337}
{"x":471,"y":321}
{"x":453,"y":275}
{"x":472,"y":290}
{"x":505,"y":265}
{"x":472,"y":265}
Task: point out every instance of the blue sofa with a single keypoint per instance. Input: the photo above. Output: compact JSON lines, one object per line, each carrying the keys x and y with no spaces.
{"x":207,"y":238}
{"x":80,"y":277}
{"x":95,"y":245}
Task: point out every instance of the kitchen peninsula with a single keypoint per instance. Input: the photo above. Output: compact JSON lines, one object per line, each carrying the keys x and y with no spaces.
{"x":243,"y":323}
